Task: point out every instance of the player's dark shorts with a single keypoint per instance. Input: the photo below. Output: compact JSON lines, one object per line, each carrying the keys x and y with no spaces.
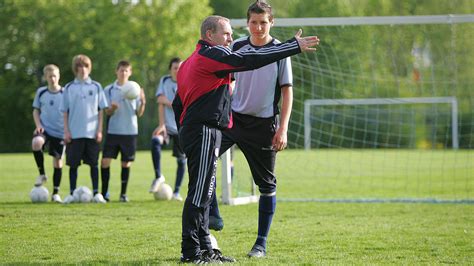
{"x":253,"y":135}
{"x":177,"y":150}
{"x":55,"y":145}
{"x":125,"y":144}
{"x":86,"y":150}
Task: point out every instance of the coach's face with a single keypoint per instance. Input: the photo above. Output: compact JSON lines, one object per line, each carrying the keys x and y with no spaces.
{"x":222,"y":35}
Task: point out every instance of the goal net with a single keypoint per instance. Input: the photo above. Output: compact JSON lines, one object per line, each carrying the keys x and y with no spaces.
{"x":383,"y":111}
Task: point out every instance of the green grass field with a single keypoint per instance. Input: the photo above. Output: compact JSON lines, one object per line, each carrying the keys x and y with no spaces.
{"x":146,"y":231}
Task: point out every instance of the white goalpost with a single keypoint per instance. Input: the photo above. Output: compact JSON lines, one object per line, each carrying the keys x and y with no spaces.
{"x":381,"y":101}
{"x":382,"y":112}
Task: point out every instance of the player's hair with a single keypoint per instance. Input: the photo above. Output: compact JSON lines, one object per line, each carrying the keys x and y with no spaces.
{"x":81,"y":60}
{"x":211,"y":23}
{"x":260,"y":7}
{"x":123,"y":63}
{"x":49,"y":68}
{"x":174,"y":60}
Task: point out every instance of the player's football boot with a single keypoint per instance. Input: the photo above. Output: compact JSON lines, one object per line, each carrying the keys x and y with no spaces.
{"x":257,"y":252}
{"x":218,"y":256}
{"x":216,"y":223}
{"x":177,"y":197}
{"x":56,"y":198}
{"x":124,"y":198}
{"x":156,"y":184}
{"x":98,"y":198}
{"x":202,"y":258}
{"x":41,"y":180}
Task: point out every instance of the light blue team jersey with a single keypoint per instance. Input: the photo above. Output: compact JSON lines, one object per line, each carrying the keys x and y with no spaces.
{"x":168,"y":87}
{"x":83,"y":100}
{"x":257,"y":92}
{"x":124,"y":120}
{"x":49,"y":104}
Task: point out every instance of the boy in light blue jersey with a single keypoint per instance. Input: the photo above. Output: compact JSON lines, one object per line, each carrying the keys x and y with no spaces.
{"x":122,"y":129}
{"x":49,"y":128}
{"x":83,"y":103}
{"x":167,"y":130}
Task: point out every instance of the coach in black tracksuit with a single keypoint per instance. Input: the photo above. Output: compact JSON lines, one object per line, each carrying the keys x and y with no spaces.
{"x":202,"y":109}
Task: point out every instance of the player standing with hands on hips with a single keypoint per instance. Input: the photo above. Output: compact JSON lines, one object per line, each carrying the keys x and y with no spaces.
{"x":202,"y":109}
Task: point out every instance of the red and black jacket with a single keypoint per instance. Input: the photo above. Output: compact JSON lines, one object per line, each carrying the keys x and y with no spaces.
{"x":204,"y":94}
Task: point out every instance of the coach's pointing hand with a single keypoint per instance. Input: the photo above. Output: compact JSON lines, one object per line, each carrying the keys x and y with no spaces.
{"x":306,"y":43}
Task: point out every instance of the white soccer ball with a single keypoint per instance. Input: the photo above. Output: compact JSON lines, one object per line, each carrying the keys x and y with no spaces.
{"x":131,"y":90}
{"x":82,"y":194}
{"x":39,"y":194}
{"x":213,"y":242}
{"x":165,"y":192}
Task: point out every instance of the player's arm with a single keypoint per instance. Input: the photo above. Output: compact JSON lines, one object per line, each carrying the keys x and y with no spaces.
{"x":141,"y":108}
{"x":178,"y":110}
{"x":36,"y":118}
{"x":163,"y":100}
{"x":99,"y":127}
{"x":111,"y":110}
{"x":67,"y":133}
{"x":280,"y":139}
{"x":162,"y":119}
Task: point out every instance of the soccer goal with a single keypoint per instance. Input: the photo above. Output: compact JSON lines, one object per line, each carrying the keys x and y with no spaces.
{"x":382,"y":112}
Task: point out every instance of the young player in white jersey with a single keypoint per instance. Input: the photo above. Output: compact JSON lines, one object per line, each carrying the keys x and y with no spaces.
{"x":122,"y":129}
{"x":49,"y":128}
{"x":167,"y":130}
{"x":83,"y":103}
{"x":260,"y":130}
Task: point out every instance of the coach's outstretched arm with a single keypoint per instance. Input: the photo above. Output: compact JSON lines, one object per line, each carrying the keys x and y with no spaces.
{"x":250,"y":59}
{"x":308,"y":43}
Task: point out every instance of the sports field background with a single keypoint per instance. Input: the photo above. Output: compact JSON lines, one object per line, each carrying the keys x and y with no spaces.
{"x":146,"y":231}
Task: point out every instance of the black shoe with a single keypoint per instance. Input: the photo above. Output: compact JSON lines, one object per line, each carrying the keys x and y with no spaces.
{"x":106,"y":196}
{"x":123,"y":198}
{"x":216,"y":223}
{"x":218,"y":256}
{"x":202,"y":258}
{"x":257,"y":252}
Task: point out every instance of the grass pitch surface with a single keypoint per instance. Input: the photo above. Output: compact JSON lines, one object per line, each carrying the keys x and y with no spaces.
{"x":146,"y":231}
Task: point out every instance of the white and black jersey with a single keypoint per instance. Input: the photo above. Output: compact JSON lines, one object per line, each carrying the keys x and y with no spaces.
{"x":257,"y":92}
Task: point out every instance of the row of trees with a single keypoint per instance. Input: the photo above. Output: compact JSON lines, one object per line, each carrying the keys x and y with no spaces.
{"x":148,"y":33}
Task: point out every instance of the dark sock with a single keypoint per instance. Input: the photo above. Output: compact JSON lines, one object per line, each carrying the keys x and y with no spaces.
{"x":105,"y":177}
{"x":125,"y":176}
{"x":95,"y":179}
{"x":39,"y":159}
{"x":58,"y":172}
{"x":266,"y":209}
{"x":179,"y":174}
{"x":72,"y":179}
{"x":156,"y":156}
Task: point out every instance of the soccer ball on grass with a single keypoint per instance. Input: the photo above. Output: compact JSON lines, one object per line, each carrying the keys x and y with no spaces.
{"x":165,"y":192}
{"x":39,"y":194}
{"x":82,"y":194}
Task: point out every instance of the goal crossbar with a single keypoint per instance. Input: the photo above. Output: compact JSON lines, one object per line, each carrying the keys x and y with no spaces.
{"x":380,"y":101}
{"x":375,"y":20}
